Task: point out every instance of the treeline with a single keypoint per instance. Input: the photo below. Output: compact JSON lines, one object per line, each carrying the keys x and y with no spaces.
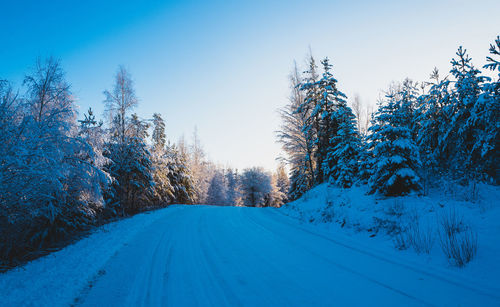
{"x":255,"y":187}
{"x":59,"y":175}
{"x":421,"y":133}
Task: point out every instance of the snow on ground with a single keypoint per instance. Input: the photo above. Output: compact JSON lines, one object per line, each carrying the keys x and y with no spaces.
{"x":237,"y":256}
{"x":57,"y":279}
{"x":375,"y":221}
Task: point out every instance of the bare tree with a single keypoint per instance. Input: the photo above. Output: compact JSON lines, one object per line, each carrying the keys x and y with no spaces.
{"x":290,"y":135}
{"x":356,"y":108}
{"x":120,"y":101}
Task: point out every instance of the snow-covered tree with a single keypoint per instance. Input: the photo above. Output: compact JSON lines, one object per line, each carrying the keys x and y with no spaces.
{"x":331,"y":99}
{"x":460,"y":135}
{"x":293,"y":140}
{"x":309,"y":108}
{"x":130,"y":160}
{"x":276,"y":197}
{"x":202,"y":170}
{"x":342,"y":163}
{"x":282,"y":182}
{"x":396,"y":155}
{"x":233,"y":188}
{"x":486,"y":114}
{"x":163,"y":189}
{"x":41,"y":144}
{"x":158,"y":136}
{"x":217,"y":190}
{"x":255,"y":186}
{"x":179,"y":176}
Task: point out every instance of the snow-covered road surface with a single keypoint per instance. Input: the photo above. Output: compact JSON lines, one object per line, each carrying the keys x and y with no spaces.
{"x":230,"y":256}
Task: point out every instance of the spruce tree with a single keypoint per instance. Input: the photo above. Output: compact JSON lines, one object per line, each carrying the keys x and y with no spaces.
{"x":395,"y":153}
{"x":460,"y":135}
{"x":485,"y":119}
{"x":179,"y":176}
{"x":309,"y":107}
{"x":343,"y":160}
{"x":163,"y":190}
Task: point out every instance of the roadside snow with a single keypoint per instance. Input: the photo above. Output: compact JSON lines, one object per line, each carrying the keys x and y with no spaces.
{"x":71,"y":269}
{"x":375,"y":221}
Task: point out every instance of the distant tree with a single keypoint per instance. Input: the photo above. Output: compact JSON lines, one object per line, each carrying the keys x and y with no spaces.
{"x":282,"y":182}
{"x":202,"y":170}
{"x":217,"y":190}
{"x":255,"y":185}
{"x":179,"y":176}
{"x":276,"y":197}
{"x":159,"y":137}
{"x":233,"y":188}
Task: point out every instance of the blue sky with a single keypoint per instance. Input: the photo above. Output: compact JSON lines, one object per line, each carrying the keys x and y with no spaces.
{"x":223,"y":66}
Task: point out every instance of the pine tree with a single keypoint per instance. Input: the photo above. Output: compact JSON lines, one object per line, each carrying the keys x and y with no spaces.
{"x":343,"y":160}
{"x":309,"y":107}
{"x":459,"y":137}
{"x":331,"y":99}
{"x":217,"y":190}
{"x":484,"y":119}
{"x":233,"y":188}
{"x":179,"y":176}
{"x":163,"y":189}
{"x":394,"y":171}
{"x":282,"y":182}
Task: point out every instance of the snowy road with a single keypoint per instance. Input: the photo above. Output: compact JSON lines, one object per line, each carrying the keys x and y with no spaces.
{"x":221,"y":256}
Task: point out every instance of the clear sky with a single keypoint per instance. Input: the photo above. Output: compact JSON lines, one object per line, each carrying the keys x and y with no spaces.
{"x":223,"y":65}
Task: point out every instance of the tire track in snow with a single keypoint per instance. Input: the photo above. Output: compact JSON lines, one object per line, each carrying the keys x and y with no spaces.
{"x":343,"y":267}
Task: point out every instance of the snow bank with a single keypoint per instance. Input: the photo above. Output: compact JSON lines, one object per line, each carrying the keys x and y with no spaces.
{"x":58,"y":278}
{"x":377,"y":223}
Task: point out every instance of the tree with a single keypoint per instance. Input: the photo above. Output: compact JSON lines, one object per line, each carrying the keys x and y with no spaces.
{"x":328,"y":104}
{"x":279,"y":186}
{"x":179,"y":176}
{"x":394,"y":170}
{"x":486,"y":114}
{"x":293,"y":140}
{"x":217,"y":190}
{"x":163,"y":189}
{"x":343,"y":161}
{"x":130,"y":160}
{"x":282,"y":182}
{"x":255,"y":185}
{"x":119,"y":102}
{"x":459,"y":137}
{"x":233,"y":188}
{"x":159,"y":137}
{"x":201,"y":170}
{"x":309,"y":107}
